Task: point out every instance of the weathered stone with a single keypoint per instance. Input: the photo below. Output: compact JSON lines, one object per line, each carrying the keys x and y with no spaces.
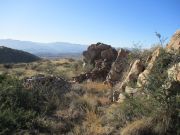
{"x":118,"y":67}
{"x":174,"y":72}
{"x":101,"y":56}
{"x":99,"y":51}
{"x":142,"y":79}
{"x":132,"y":76}
{"x":131,"y":90}
{"x":174,"y":44}
{"x":121,"y":98}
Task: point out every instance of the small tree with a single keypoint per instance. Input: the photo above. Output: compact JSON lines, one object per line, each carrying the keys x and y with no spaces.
{"x":161,"y":39}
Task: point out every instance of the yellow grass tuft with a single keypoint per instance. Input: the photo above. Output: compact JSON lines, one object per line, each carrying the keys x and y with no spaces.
{"x":91,"y":125}
{"x":139,"y":127}
{"x":99,"y":86}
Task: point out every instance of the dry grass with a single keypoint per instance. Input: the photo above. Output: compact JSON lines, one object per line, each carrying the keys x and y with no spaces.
{"x":104,"y":101}
{"x":139,"y":127}
{"x":90,"y":126}
{"x":61,"y":67}
{"x":98,"y":86}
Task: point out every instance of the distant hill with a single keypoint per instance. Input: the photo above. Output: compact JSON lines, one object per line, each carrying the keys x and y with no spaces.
{"x":8,"y":55}
{"x":44,"y":49}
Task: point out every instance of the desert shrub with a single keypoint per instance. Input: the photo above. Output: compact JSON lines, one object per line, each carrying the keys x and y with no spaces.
{"x":139,"y":127}
{"x":8,"y":66}
{"x":78,"y":66}
{"x":66,"y":64}
{"x":138,"y":53}
{"x":84,"y":103}
{"x":119,"y":115}
{"x":20,"y":108}
{"x":160,"y":106}
{"x":90,"y":126}
{"x":44,"y":99}
{"x":71,"y":59}
{"x":164,"y":94}
{"x":15,"y":106}
{"x":19,"y":72}
{"x":34,"y":66}
{"x":88,"y":67}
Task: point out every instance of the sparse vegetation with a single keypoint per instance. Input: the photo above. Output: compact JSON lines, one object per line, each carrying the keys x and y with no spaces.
{"x":88,"y":109}
{"x":62,"y":67}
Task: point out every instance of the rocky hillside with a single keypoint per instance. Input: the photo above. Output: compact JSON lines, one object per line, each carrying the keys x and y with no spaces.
{"x":8,"y":55}
{"x":129,"y":71}
{"x":115,"y":92}
{"x":145,"y":86}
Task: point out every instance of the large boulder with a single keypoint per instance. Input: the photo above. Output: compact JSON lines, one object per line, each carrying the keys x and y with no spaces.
{"x":118,"y":67}
{"x":174,"y":44}
{"x":101,"y":57}
{"x":99,"y":51}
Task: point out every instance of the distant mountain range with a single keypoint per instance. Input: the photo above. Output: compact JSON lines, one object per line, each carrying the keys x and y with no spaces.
{"x":8,"y":55}
{"x":44,"y":49}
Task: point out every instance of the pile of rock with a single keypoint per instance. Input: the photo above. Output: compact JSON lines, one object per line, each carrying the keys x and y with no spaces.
{"x":48,"y":82}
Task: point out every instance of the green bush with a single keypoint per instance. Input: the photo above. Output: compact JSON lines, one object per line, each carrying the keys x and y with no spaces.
{"x":159,"y":103}
{"x":164,"y":95}
{"x":16,"y":110}
{"x":20,"y":108}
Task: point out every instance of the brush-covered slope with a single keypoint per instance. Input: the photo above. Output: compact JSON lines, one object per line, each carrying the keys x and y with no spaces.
{"x":8,"y":55}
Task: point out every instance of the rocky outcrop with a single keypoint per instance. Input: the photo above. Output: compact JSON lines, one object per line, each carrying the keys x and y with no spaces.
{"x":172,"y":47}
{"x":174,"y":44}
{"x":174,"y":72}
{"x":128,"y":85}
{"x":98,"y":73}
{"x":132,"y":76}
{"x":101,"y":56}
{"x":99,"y":51}
{"x":58,"y":84}
{"x":136,"y":77}
{"x":118,"y":67}
{"x":142,"y":79}
{"x":170,"y":57}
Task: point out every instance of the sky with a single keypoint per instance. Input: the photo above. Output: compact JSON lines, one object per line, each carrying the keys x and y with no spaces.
{"x":120,"y":23}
